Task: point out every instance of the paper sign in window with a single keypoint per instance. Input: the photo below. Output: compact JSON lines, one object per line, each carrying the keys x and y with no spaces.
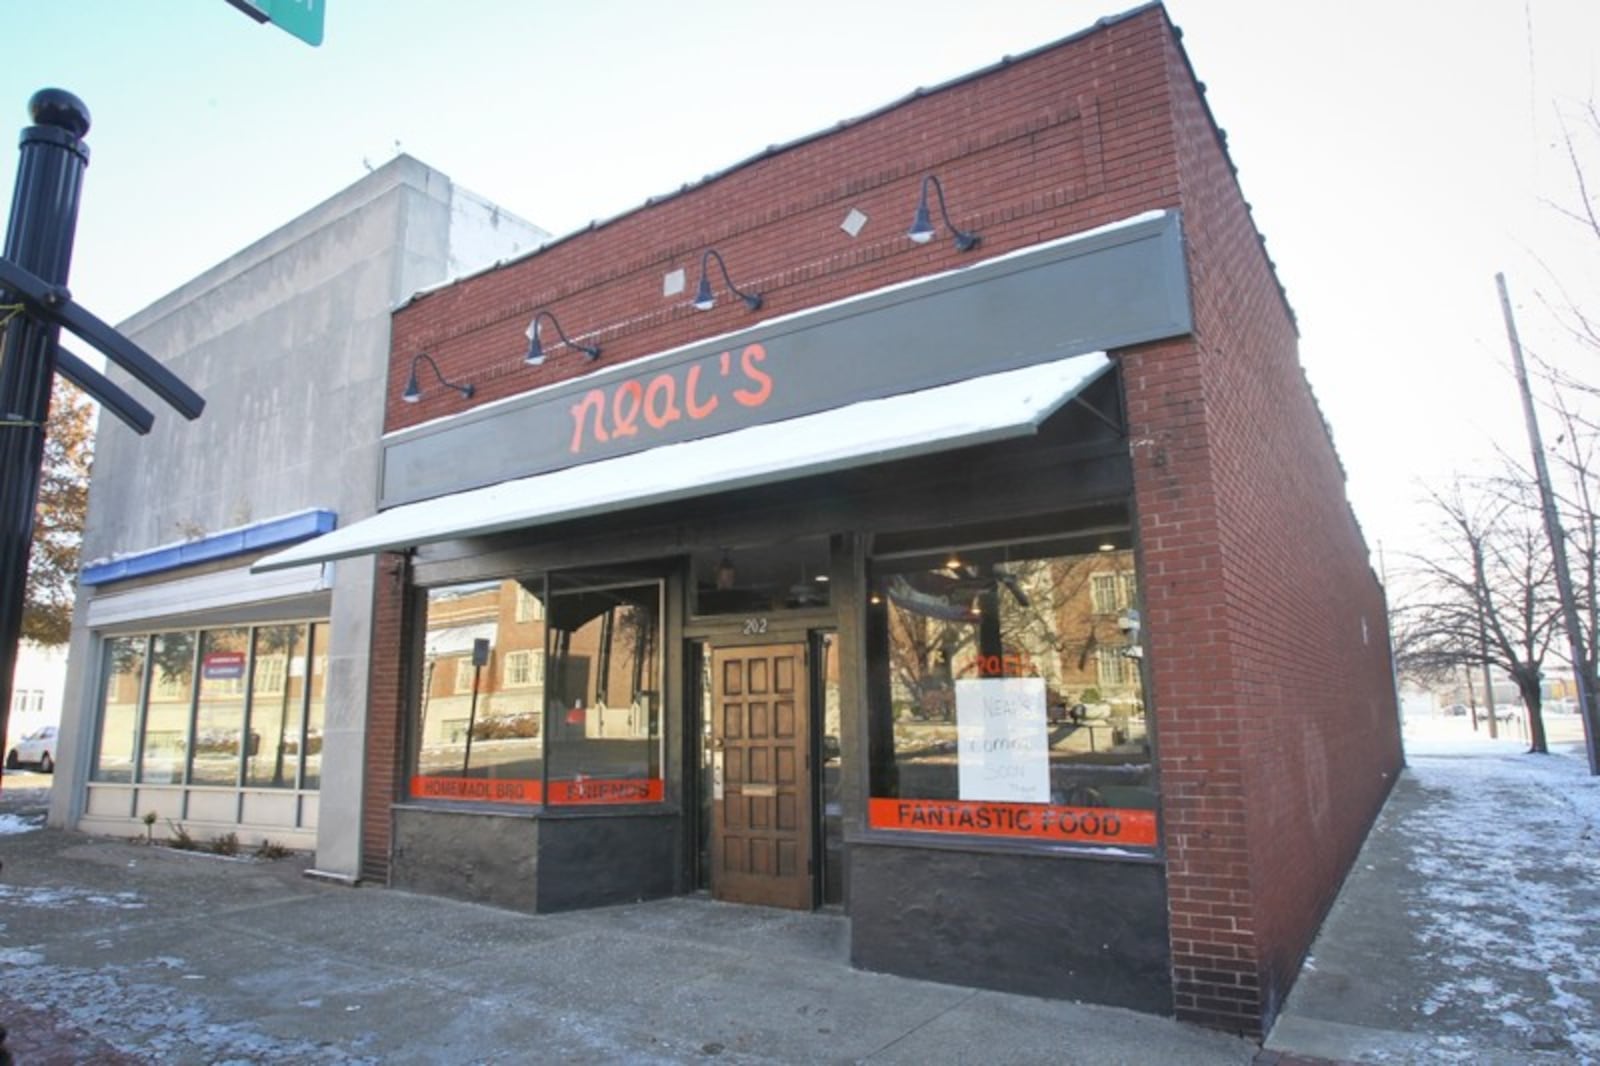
{"x":1003,"y":747}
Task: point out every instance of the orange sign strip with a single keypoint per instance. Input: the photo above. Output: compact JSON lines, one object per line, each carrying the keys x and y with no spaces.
{"x":608,"y":790}
{"x":1032,"y":821}
{"x":481,"y":789}
{"x":511,"y":790}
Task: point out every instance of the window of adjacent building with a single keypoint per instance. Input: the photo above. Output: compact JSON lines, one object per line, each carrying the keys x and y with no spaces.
{"x":604,"y":686}
{"x":524,"y":668}
{"x":212,"y":707}
{"x":24,"y":700}
{"x":1005,"y":687}
{"x":316,"y":687}
{"x":466,"y":672}
{"x":277,"y":706}
{"x":167,"y":713}
{"x":477,"y":731}
{"x":119,"y":709}
{"x":219,"y":711}
{"x":1112,"y":591}
{"x":529,"y":607}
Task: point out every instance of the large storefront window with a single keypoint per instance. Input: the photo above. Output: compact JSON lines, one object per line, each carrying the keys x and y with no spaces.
{"x":166,"y":712}
{"x":119,"y":709}
{"x":278,"y":706}
{"x":480,"y":706}
{"x":605,"y":692}
{"x":529,"y":697}
{"x":203,"y":707}
{"x":219,"y":715}
{"x":1006,"y":696}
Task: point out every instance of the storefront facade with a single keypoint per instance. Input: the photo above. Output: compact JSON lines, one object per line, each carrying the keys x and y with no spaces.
{"x":999,"y":592}
{"x":203,"y":699}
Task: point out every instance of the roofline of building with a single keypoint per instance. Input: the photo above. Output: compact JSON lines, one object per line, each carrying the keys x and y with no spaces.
{"x":778,"y":149}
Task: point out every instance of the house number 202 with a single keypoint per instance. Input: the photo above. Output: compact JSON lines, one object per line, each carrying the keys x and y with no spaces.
{"x":753,"y":626}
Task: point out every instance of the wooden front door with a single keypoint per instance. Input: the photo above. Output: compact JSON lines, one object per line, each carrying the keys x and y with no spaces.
{"x":761,"y":814}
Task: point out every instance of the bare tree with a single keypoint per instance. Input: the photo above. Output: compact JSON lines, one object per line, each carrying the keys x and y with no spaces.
{"x":1486,"y":596}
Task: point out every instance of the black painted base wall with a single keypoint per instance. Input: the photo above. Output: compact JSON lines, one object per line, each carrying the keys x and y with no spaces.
{"x":589,"y":862}
{"x":536,"y":864}
{"x":466,"y":855}
{"x":1041,"y":925}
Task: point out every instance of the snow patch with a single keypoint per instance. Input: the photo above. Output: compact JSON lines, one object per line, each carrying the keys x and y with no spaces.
{"x":51,"y":898}
{"x":1508,"y":906}
{"x":11,"y":824}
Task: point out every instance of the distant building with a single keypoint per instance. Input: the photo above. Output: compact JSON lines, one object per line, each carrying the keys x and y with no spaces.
{"x":36,"y":688}
{"x":210,"y":696}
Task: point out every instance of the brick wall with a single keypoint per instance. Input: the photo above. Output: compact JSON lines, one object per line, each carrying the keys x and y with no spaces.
{"x":1275,"y":718}
{"x":385,"y":708}
{"x":1277,"y":724}
{"x":1043,"y":147}
{"x":1048,"y":145}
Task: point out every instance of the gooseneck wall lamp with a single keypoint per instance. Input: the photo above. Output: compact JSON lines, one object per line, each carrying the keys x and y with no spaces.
{"x":921,"y":229}
{"x":704,"y":301}
{"x":535,"y":354}
{"x":413,"y":391}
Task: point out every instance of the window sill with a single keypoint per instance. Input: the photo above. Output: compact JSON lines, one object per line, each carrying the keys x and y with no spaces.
{"x":891,"y":838}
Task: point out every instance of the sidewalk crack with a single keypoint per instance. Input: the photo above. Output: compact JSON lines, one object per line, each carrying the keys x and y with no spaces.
{"x":968,"y":998}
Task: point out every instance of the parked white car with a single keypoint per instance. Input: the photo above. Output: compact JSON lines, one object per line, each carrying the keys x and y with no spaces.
{"x":38,"y":748}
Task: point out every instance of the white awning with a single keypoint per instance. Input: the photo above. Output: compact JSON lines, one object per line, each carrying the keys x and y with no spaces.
{"x":960,"y":415}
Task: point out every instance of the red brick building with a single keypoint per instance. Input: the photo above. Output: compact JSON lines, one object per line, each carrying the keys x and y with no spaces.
{"x":793,"y":556}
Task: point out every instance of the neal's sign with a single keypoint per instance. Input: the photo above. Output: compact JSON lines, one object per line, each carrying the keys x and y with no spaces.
{"x":646,"y":406}
{"x":1119,"y":285}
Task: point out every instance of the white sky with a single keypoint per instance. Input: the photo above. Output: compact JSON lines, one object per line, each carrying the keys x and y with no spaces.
{"x":1397,"y":154}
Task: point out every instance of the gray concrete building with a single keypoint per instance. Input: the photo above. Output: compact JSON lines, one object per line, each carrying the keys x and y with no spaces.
{"x":202,"y":695}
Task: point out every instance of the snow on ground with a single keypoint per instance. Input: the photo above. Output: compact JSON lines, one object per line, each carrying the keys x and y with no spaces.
{"x":1510,"y":861}
{"x":13,"y":823}
{"x":55,"y":897}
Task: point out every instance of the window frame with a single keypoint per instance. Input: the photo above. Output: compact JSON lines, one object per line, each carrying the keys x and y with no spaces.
{"x":436,"y":790}
{"x":886,"y":816}
{"x":148,"y":691}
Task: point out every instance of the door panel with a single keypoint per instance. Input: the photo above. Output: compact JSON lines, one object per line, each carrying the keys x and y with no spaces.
{"x":761,"y":823}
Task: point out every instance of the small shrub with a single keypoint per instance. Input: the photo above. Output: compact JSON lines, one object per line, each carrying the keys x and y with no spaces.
{"x":226,"y":844}
{"x":149,"y":821}
{"x":270,"y":851}
{"x":179,"y":837}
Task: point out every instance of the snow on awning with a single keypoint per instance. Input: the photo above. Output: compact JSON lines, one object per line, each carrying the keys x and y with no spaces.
{"x":979,"y":410}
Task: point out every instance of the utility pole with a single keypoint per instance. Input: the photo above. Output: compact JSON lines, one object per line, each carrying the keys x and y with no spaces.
{"x":1558,"y":543}
{"x":1488,"y":683}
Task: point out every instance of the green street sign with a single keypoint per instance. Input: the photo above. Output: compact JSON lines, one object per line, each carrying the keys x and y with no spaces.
{"x":302,"y":18}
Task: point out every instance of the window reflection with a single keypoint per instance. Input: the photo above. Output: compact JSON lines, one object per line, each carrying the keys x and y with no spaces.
{"x":786,"y":575}
{"x":480,"y":706}
{"x":179,"y":700}
{"x":219,"y":713}
{"x":166,"y":724}
{"x":832,"y":764}
{"x":316,"y":686}
{"x":277,"y":701}
{"x":605,"y":694}
{"x":119,"y":701}
{"x":937,"y":623}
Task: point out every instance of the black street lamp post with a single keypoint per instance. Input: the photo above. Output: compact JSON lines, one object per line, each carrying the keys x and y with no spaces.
{"x":33,"y":279}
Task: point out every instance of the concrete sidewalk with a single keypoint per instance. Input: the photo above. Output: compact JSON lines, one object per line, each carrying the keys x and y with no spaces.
{"x":112,"y":948}
{"x":1444,"y":947}
{"x":1467,"y":932}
